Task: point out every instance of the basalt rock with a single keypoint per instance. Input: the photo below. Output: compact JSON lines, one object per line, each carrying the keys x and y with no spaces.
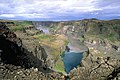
{"x":17,"y":63}
{"x":106,"y":68}
{"x":12,"y":50}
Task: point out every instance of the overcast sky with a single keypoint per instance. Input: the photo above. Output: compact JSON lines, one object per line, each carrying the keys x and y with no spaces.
{"x":57,"y":10}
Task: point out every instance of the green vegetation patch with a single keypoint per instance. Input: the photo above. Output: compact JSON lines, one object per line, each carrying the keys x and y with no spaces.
{"x":44,"y":37}
{"x":20,"y":25}
{"x":59,"y":66}
{"x":15,"y":28}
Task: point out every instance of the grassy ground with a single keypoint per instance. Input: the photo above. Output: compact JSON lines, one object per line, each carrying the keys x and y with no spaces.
{"x":59,"y":66}
{"x":111,"y":38}
{"x":20,"y":25}
{"x":54,"y":41}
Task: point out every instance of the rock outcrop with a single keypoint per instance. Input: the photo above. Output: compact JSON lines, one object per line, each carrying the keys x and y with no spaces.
{"x":18,"y":63}
{"x":101,"y":69}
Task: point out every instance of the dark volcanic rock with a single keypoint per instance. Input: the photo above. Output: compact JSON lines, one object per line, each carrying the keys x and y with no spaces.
{"x":17,"y":63}
{"x":101,"y":69}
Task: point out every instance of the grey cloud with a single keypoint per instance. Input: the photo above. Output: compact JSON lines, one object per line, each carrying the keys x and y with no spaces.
{"x":60,"y":9}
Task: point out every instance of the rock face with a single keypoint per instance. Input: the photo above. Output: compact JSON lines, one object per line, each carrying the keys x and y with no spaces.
{"x":43,"y":55}
{"x":13,"y":51}
{"x":18,"y":63}
{"x":102,"y":69}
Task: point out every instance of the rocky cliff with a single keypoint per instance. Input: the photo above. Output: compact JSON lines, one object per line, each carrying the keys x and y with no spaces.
{"x":90,"y":31}
{"x":102,"y":39}
{"x":18,"y":62}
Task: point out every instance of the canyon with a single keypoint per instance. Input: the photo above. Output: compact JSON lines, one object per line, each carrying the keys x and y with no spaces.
{"x":27,"y":47}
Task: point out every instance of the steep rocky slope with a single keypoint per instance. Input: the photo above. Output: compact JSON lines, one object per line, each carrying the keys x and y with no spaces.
{"x":19,"y":62}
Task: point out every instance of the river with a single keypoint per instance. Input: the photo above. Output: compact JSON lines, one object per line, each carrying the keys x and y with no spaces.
{"x":44,"y":29}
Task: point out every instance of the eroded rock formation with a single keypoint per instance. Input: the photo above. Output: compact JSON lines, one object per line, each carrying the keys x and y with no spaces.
{"x":17,"y":63}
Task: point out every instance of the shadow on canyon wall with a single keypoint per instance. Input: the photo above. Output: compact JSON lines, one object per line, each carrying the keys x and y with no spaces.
{"x":12,"y":51}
